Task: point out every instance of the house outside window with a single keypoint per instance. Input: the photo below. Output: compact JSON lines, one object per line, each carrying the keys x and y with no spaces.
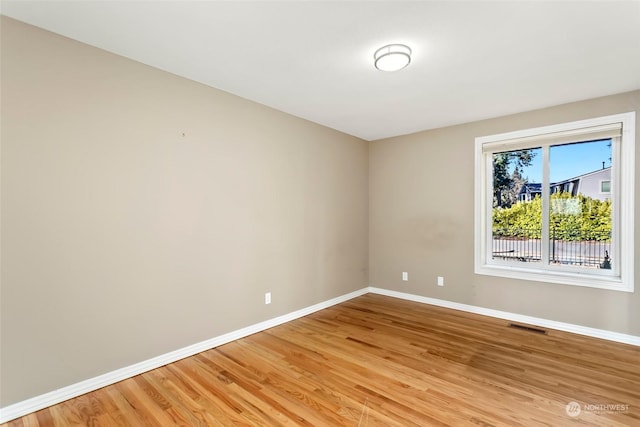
{"x":549,"y":208}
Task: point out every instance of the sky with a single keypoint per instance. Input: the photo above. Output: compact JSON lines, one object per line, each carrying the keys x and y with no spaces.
{"x":570,"y":160}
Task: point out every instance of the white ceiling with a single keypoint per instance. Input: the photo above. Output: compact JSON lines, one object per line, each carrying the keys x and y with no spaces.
{"x":472,"y":60}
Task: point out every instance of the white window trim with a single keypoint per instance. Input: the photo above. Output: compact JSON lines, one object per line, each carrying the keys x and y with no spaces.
{"x":602,"y":181}
{"x":623,"y":212}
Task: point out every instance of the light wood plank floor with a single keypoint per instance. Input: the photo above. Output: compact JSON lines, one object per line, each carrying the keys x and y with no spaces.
{"x":377,"y":361}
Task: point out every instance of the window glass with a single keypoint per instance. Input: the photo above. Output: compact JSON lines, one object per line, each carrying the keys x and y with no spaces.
{"x":580,"y":218}
{"x":517,"y":205}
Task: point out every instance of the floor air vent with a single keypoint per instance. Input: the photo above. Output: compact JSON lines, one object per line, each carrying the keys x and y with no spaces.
{"x":527,"y":328}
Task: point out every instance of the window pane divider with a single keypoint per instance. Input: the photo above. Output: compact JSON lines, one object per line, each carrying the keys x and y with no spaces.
{"x":544,"y":235}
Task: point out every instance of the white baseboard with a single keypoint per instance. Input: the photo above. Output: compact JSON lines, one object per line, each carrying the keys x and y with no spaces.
{"x":42,"y":401}
{"x":561,"y":326}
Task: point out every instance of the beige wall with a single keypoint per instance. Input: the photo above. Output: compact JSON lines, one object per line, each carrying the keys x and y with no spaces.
{"x":143,"y":212}
{"x":421,"y":220}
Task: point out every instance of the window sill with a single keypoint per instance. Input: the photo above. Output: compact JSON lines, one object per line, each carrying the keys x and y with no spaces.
{"x":573,"y":279}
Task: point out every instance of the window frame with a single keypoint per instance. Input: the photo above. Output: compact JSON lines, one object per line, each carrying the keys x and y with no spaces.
{"x":623,"y":204}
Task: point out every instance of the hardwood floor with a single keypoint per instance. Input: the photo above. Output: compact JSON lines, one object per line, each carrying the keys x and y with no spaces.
{"x":377,"y":361}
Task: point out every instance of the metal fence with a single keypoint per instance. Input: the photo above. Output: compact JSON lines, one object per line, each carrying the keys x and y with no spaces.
{"x":592,"y":253}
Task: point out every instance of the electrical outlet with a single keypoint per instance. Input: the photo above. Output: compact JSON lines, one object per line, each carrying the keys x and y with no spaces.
{"x":267,"y":298}
{"x":405,"y":276}
{"x":440,"y":281}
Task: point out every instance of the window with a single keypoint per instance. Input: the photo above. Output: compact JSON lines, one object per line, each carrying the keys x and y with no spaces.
{"x":556,"y":203}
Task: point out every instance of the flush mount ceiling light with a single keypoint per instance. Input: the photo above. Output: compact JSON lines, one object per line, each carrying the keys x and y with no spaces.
{"x":392,"y":57}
